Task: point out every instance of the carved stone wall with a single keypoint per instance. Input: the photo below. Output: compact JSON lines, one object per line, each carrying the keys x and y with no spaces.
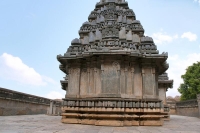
{"x":111,"y":76}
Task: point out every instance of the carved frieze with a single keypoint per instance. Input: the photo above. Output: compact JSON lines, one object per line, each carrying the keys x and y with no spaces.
{"x":110,"y":32}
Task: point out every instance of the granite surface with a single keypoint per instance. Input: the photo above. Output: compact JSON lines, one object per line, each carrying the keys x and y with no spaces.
{"x":52,"y":124}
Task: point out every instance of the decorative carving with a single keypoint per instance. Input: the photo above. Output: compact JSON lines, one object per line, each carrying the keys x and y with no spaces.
{"x":129,"y":36}
{"x":119,"y":20}
{"x":110,"y":32}
{"x":136,"y":38}
{"x":124,"y":20}
{"x":111,"y":6}
{"x":116,"y":65}
{"x":91,"y":37}
{"x":102,"y":19}
{"x":122,"y":33}
{"x":111,"y":16}
{"x":98,"y":35}
{"x":85,"y":40}
{"x":129,"y":21}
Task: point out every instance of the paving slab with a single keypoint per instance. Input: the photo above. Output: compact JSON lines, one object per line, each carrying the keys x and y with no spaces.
{"x":52,"y":124}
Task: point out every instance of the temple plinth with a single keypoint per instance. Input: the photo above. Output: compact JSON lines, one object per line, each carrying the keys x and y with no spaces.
{"x":112,"y":71}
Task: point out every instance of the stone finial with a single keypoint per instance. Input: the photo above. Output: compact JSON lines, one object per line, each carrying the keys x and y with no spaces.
{"x":122,"y":33}
{"x":146,"y":39}
{"x":86,"y":23}
{"x":76,"y":41}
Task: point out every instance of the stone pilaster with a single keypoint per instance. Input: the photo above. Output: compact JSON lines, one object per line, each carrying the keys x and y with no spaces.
{"x":149,"y":80}
{"x":74,"y":77}
{"x":162,"y":93}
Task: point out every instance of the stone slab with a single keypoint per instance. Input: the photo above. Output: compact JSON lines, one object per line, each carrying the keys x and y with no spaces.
{"x":52,"y":124}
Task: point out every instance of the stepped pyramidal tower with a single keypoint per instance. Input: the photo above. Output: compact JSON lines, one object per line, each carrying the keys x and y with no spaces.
{"x":114,"y":74}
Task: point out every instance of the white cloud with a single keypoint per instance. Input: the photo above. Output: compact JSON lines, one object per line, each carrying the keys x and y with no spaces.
{"x":48,"y":79}
{"x":190,"y":36}
{"x":160,"y":38}
{"x":55,"y":95}
{"x":177,"y":67}
{"x":13,"y":68}
{"x":197,"y":1}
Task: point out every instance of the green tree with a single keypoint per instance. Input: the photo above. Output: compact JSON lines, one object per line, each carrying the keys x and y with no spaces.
{"x":191,"y":82}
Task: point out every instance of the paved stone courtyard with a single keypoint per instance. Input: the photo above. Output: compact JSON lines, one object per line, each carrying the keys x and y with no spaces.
{"x":52,"y":124}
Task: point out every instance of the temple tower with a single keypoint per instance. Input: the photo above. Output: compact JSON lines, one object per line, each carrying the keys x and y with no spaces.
{"x":112,"y":71}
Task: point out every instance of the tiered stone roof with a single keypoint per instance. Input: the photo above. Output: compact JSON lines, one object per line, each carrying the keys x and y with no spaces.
{"x":112,"y":28}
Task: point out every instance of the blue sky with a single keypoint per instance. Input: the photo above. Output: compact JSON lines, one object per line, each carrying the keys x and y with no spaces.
{"x":33,"y":32}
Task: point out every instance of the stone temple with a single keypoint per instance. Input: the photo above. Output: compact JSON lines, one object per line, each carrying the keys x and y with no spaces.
{"x":115,"y":75}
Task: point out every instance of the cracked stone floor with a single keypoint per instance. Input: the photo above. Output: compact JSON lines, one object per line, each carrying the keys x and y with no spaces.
{"x":52,"y":124}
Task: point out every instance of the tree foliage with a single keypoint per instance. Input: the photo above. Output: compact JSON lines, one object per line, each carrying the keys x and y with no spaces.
{"x":191,"y":82}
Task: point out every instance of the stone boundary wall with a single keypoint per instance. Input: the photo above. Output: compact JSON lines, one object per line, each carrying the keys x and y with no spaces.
{"x":172,"y":106}
{"x":187,"y":108}
{"x":17,"y":103}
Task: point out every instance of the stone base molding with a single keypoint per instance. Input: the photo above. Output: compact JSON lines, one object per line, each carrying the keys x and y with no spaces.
{"x":121,"y":112}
